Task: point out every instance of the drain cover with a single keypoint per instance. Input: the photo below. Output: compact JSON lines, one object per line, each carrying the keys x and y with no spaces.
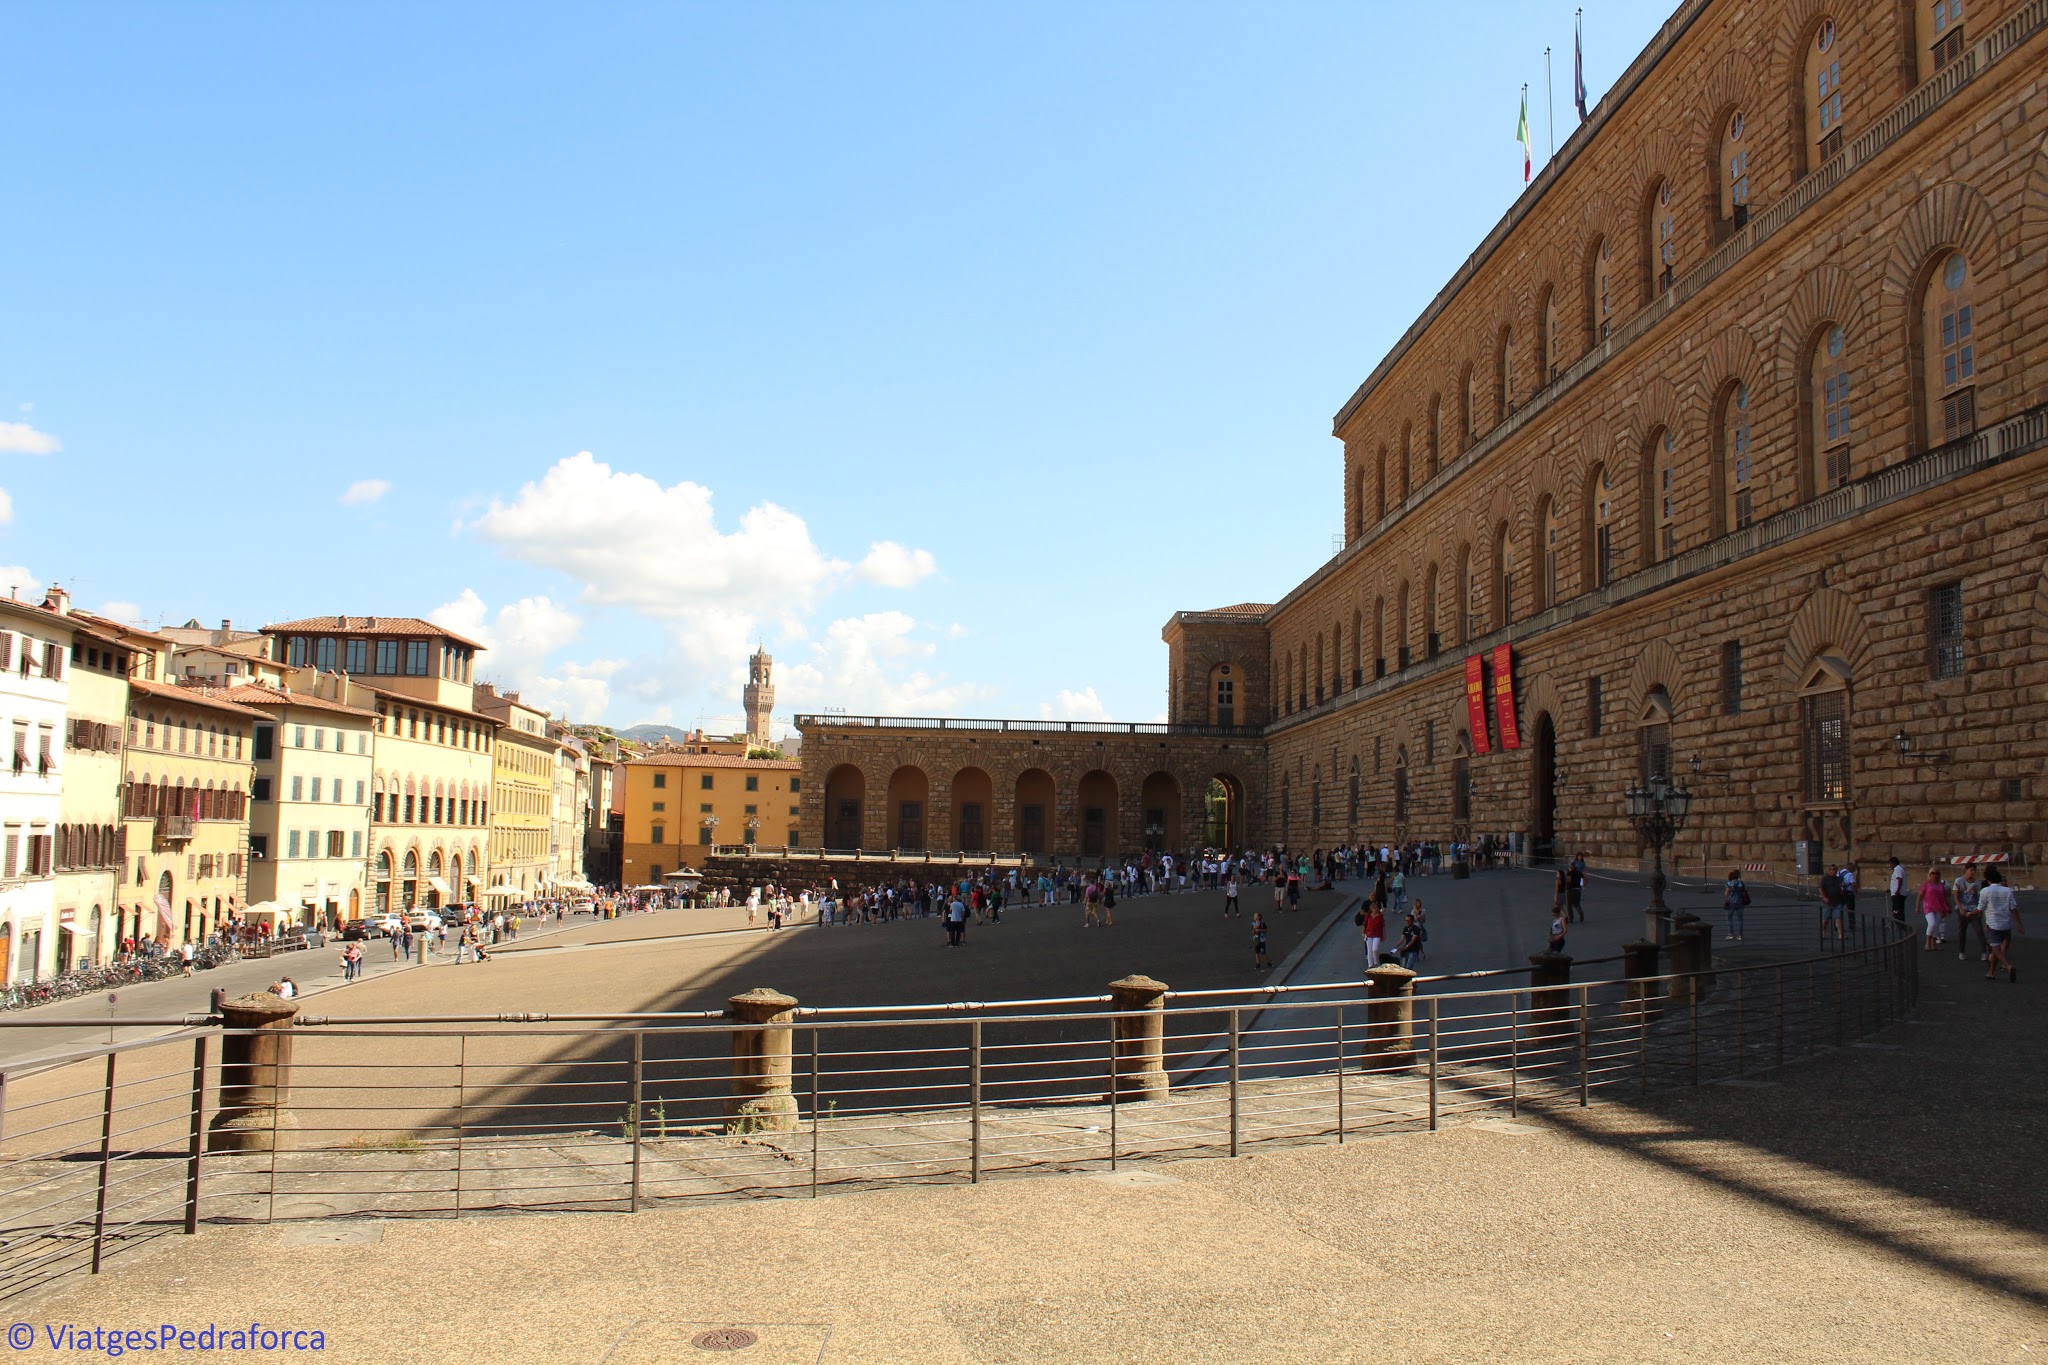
{"x":724,"y":1339}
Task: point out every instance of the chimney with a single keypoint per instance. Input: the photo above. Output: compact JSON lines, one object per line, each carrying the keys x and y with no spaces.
{"x":226,"y":626}
{"x":58,"y":600}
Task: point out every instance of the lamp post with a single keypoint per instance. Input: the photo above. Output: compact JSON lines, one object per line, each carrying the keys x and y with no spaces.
{"x":1657,"y":810}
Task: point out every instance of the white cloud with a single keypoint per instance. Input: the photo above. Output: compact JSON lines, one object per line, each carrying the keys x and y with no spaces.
{"x":126,"y":612}
{"x":6,"y":507}
{"x":871,"y":664}
{"x":893,"y":566}
{"x":363,"y":492}
{"x":17,"y":580}
{"x":658,"y":551}
{"x":19,"y":438}
{"x":1082,"y":705}
{"x":518,"y":639}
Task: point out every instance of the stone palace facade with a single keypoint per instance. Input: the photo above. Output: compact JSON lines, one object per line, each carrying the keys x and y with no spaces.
{"x":1723,"y":457}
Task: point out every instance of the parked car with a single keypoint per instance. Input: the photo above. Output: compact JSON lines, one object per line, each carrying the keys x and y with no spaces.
{"x":421,"y":920}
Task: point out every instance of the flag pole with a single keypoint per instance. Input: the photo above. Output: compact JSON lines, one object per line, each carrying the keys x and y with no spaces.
{"x":1550,"y":104}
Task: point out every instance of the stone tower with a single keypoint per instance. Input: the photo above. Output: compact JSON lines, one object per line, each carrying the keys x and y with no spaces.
{"x":760,"y":698}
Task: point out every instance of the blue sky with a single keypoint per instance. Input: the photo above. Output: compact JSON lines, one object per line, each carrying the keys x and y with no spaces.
{"x":949,"y":349}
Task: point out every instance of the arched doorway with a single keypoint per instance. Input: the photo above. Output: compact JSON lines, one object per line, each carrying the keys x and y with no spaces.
{"x":1036,"y":797}
{"x":845,"y":788}
{"x":1543,"y":806}
{"x":409,"y":880}
{"x":1097,"y":795}
{"x":909,"y":797}
{"x":1160,"y":797}
{"x":163,"y":909}
{"x":1223,"y":812}
{"x":382,"y":888}
{"x":1461,"y":789}
{"x":433,"y":895}
{"x":973,"y":802}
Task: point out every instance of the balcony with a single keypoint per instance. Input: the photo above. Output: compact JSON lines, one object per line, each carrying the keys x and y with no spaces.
{"x":173,"y":829}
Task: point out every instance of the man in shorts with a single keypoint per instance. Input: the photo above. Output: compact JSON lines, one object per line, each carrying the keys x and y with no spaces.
{"x":1965,"y":890}
{"x":2001,"y":911}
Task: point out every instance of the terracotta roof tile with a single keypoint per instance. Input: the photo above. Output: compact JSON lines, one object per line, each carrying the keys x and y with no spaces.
{"x":197,"y":696}
{"x":1240,"y":609}
{"x":257,"y":694}
{"x":682,"y":760}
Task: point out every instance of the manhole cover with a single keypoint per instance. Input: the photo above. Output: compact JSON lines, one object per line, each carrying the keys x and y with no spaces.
{"x":724,"y":1339}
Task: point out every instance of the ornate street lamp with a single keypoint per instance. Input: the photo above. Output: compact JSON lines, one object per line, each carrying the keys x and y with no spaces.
{"x":1657,"y":810}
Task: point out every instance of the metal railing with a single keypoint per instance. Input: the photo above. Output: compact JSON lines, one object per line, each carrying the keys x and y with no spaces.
{"x":110,"y":1146}
{"x":808,"y":723}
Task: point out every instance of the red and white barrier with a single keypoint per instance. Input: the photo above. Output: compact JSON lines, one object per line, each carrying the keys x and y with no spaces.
{"x":1976,"y":859}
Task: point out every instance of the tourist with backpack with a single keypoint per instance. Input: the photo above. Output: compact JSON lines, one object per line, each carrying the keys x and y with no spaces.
{"x":1734,"y":900}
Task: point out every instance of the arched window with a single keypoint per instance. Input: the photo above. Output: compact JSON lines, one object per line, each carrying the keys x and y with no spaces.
{"x":1432,"y":635}
{"x":1663,"y":499}
{"x":1358,"y":504}
{"x":1653,"y":737}
{"x":1829,"y":397}
{"x":1354,"y":790}
{"x":1401,"y":785}
{"x":1464,"y":621}
{"x":1357,"y":647}
{"x":1503,"y":580}
{"x":1468,"y":410}
{"x":1599,"y":295}
{"x":1661,"y":239}
{"x":1337,"y":658}
{"x":1602,"y":491}
{"x":1824,"y":730}
{"x":1407,"y":456}
{"x":1739,"y":507}
{"x":1318,"y":674}
{"x":1401,"y":626}
{"x":149,"y":732}
{"x":1436,"y":424}
{"x":1379,"y":637}
{"x":1938,"y":34}
{"x":1552,"y":353}
{"x":1823,"y":95}
{"x":1223,"y":696}
{"x":1381,"y":514}
{"x":1549,"y":545}
{"x":1504,"y":376}
{"x":1948,"y":336}
{"x":1734,"y":167}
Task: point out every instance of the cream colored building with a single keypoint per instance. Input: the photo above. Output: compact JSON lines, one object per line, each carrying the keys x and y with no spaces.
{"x":430,"y":787}
{"x":523,"y":796}
{"x":572,"y":801}
{"x":35,"y":645}
{"x":309,"y":820}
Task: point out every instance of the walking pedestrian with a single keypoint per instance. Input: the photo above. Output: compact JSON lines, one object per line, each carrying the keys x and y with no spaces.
{"x":1895,"y":887}
{"x":1734,"y":900}
{"x":1230,"y":906}
{"x":1934,"y":909}
{"x":1575,"y":889}
{"x":1375,"y":932}
{"x":1557,"y":930}
{"x":2001,"y":911}
{"x":1964,"y":892}
{"x":956,"y":922}
{"x":1260,"y":962}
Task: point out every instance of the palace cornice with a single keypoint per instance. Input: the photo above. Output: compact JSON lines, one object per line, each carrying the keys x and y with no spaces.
{"x":1866,"y":148}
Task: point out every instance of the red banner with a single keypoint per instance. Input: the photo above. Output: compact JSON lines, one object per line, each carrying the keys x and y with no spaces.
{"x":1504,"y":696}
{"x":1475,"y":701}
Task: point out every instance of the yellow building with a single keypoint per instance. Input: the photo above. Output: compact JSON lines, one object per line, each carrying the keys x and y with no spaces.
{"x":430,"y":793}
{"x":89,"y":844}
{"x":522,"y":797}
{"x":185,"y":807}
{"x":680,"y":805}
{"x":309,"y":820}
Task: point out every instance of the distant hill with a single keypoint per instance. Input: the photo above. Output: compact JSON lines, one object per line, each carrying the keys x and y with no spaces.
{"x":647,"y":734}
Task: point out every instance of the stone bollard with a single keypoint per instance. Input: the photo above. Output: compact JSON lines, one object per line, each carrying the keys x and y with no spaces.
{"x":1550,"y":1003}
{"x":1140,"y":1038}
{"x":1640,"y":994}
{"x":1657,"y":926}
{"x":761,"y":1095}
{"x":255,"y":1076}
{"x":1691,"y":951}
{"x":1389,"y":1016}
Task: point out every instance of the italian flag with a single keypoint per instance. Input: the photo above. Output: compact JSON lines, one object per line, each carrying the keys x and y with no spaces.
{"x":1522,"y":136}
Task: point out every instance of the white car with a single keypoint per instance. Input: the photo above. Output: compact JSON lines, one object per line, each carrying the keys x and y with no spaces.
{"x":419,"y":920}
